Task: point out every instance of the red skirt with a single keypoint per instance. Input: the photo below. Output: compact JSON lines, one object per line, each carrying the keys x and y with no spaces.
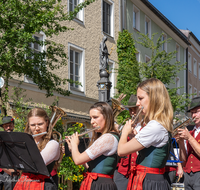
{"x":138,"y":174}
{"x":31,"y":181}
{"x":89,"y":177}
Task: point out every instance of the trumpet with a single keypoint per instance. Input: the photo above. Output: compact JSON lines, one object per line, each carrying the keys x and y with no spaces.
{"x":182,"y":125}
{"x":81,"y":134}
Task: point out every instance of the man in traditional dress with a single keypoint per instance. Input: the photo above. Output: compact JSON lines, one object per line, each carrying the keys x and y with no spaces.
{"x":122,"y":172}
{"x":190,"y":150}
{"x":5,"y":178}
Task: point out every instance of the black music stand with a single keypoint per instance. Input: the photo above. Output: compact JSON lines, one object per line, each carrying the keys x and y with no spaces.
{"x":19,"y":151}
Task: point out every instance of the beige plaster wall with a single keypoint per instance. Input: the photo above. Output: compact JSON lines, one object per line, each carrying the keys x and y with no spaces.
{"x":87,"y":36}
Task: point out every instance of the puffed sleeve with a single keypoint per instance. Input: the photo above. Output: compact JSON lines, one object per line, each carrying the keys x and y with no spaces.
{"x":51,"y":152}
{"x":153,"y":134}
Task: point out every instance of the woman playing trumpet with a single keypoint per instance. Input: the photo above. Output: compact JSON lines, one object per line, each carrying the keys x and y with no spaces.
{"x":101,"y":155}
{"x":38,"y":122}
{"x":153,"y":140}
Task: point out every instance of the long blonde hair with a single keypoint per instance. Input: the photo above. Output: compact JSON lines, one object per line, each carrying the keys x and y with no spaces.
{"x":160,"y":107}
{"x":107,"y":113}
{"x":39,"y":112}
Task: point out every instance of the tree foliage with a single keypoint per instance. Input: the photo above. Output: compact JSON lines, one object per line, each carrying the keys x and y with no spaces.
{"x":162,"y":65}
{"x":20,"y":20}
{"x":128,"y":73}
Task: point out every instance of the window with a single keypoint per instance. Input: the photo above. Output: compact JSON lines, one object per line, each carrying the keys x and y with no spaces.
{"x":190,"y":91}
{"x":137,"y":56}
{"x":164,"y":45}
{"x":147,"y":27}
{"x":195,"y":91}
{"x":76,"y":68}
{"x":136,"y":18}
{"x":199,"y":72}
{"x":178,"y":85}
{"x":189,"y":63}
{"x":147,"y":59}
{"x":36,"y":47}
{"x":195,"y":67}
{"x":112,"y":77}
{"x":177,"y":52}
{"x":108,"y":17}
{"x":72,"y":5}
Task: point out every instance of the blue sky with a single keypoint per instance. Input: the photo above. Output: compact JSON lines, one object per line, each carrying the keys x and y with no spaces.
{"x":184,"y":14}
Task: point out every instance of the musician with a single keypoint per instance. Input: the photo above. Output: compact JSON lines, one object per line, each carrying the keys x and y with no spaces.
{"x":5,"y":174}
{"x":101,"y":156}
{"x":121,"y":175}
{"x":38,"y":122}
{"x":190,"y":155}
{"x":153,"y":140}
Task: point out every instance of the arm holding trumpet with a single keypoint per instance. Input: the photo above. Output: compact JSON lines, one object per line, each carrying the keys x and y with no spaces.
{"x":191,"y":158}
{"x":184,"y":134}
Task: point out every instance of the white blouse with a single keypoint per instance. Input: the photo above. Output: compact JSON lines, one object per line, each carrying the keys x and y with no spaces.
{"x":153,"y":134}
{"x":105,"y":145}
{"x":50,"y":152}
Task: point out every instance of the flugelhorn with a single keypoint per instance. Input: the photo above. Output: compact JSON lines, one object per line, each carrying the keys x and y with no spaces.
{"x":182,"y":125}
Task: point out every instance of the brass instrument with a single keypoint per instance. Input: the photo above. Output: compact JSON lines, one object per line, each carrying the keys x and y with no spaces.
{"x":117,"y":107}
{"x":182,"y":125}
{"x":56,"y":114}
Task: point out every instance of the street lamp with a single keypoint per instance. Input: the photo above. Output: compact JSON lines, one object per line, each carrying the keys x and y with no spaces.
{"x":104,"y":85}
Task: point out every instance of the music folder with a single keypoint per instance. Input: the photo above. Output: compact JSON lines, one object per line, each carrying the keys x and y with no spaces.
{"x":19,"y":151}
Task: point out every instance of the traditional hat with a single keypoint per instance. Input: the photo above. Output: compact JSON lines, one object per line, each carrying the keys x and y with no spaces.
{"x":194,"y":103}
{"x":6,"y":119}
{"x":132,"y":101}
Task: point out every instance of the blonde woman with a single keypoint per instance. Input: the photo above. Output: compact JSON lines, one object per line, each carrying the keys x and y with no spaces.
{"x":153,"y":140}
{"x":38,"y":122}
{"x":101,"y":156}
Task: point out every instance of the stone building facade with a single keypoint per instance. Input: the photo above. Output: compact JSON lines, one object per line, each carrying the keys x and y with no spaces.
{"x":193,"y":64}
{"x":82,"y":47}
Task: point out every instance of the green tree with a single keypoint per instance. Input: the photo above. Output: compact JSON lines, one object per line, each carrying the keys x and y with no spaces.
{"x":163,"y":66}
{"x":20,"y":20}
{"x":128,"y":74}
{"x":160,"y":66}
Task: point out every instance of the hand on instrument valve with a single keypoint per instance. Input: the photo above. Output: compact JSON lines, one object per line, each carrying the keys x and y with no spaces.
{"x":184,"y":134}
